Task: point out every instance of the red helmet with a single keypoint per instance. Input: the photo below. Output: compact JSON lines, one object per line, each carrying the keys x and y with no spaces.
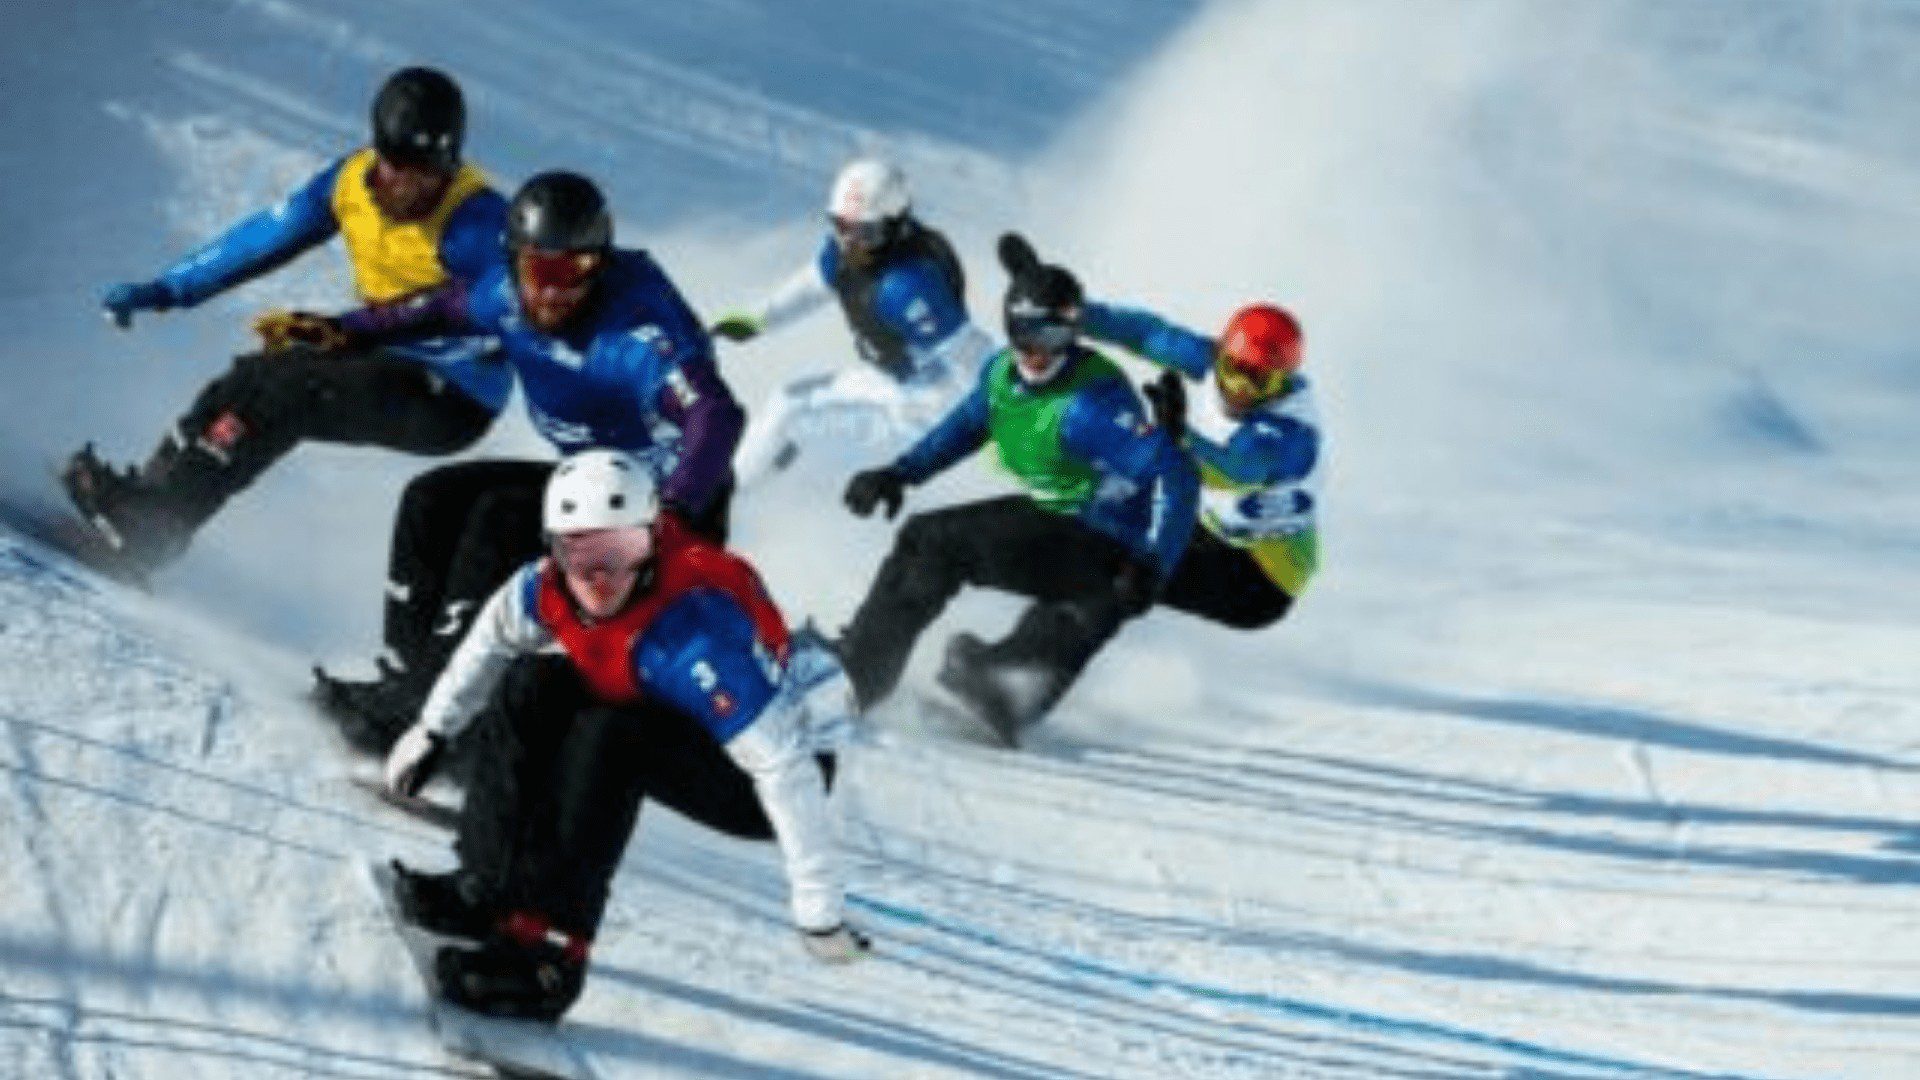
{"x":1258,"y":349}
{"x":1261,"y":339}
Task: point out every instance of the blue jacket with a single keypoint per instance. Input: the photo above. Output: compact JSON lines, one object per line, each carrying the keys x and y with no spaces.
{"x":635,"y":373}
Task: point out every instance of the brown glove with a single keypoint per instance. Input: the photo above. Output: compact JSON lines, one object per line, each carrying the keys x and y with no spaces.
{"x":283,"y":330}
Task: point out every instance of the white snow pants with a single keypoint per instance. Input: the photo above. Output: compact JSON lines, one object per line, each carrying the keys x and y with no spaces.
{"x":859,"y":406}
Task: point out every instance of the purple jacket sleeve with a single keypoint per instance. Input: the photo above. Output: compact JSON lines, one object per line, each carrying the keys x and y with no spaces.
{"x":441,"y":310}
{"x":697,"y":400}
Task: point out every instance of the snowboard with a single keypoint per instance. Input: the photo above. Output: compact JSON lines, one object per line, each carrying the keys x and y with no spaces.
{"x":521,"y":1049}
{"x":49,"y":521}
{"x":443,"y":815}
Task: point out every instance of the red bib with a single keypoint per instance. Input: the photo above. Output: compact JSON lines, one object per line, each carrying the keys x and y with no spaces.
{"x":603,"y":650}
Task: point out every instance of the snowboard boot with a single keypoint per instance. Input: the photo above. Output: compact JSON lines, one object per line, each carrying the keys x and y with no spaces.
{"x":449,"y":903}
{"x":130,"y":521}
{"x":526,"y":970}
{"x":372,"y":713}
{"x":147,"y":516}
{"x":1007,"y":698}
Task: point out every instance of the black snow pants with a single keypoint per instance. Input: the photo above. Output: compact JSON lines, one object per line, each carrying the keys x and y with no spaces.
{"x":1008,"y":544}
{"x":555,"y":786}
{"x":1221,"y":583}
{"x":268,"y":403}
{"x":461,"y":531}
{"x":1068,"y":569}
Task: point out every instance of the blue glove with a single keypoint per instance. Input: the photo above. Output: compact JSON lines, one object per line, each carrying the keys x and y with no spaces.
{"x":122,"y":300}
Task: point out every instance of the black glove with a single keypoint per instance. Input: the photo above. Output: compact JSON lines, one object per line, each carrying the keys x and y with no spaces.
{"x":1136,"y":587}
{"x":1168,"y":397}
{"x":875,"y":486}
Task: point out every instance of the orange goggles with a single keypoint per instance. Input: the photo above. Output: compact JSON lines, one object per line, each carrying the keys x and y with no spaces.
{"x":556,"y":271}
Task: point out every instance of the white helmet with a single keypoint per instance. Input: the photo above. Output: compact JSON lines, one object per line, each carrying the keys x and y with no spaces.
{"x":868,"y":190}
{"x":599,"y":489}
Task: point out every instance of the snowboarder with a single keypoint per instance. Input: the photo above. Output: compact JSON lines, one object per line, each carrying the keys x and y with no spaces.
{"x":1110,"y":508}
{"x":608,"y":355}
{"x":676,"y":680}
{"x":1255,"y":433}
{"x":903,"y":293}
{"x":412,"y":215}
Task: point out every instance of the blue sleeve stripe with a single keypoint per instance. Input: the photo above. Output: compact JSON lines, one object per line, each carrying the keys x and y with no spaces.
{"x":829,"y":260}
{"x":530,"y":593}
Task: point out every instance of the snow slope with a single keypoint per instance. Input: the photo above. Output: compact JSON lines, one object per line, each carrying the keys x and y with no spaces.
{"x":1590,"y":754}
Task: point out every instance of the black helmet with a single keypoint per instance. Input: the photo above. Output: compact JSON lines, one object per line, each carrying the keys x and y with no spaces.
{"x":1042,"y":306}
{"x":559,"y":211}
{"x":419,"y":118}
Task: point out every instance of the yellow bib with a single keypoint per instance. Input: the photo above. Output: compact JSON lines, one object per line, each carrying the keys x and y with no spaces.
{"x":391,"y":259}
{"x":1290,"y":559}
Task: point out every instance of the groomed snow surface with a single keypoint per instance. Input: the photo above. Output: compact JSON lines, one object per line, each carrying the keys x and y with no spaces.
{"x":1592,"y":753}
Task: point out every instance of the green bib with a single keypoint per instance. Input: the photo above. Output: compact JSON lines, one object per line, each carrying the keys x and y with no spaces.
{"x":1025,"y":425}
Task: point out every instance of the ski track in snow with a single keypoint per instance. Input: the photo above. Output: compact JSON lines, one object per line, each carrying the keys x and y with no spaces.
{"x":1544,"y":780}
{"x":1020,"y":959}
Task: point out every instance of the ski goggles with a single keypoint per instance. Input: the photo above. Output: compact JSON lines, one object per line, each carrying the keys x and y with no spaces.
{"x":1248,"y":383}
{"x":859,"y":235}
{"x":561,"y":272}
{"x":602,"y":553}
{"x":1039,"y":334}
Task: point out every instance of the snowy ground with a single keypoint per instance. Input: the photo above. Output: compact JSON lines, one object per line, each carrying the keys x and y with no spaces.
{"x":1593,"y":753}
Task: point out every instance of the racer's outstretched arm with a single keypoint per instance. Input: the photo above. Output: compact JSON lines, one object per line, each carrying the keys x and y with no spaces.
{"x":1148,"y":335}
{"x":961,"y":432}
{"x":507,"y":628}
{"x":258,"y":243}
{"x":801,"y":294}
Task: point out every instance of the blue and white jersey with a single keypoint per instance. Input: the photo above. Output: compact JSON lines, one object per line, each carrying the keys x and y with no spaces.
{"x":1260,"y":471}
{"x":634,"y":372}
{"x":908,"y":313}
